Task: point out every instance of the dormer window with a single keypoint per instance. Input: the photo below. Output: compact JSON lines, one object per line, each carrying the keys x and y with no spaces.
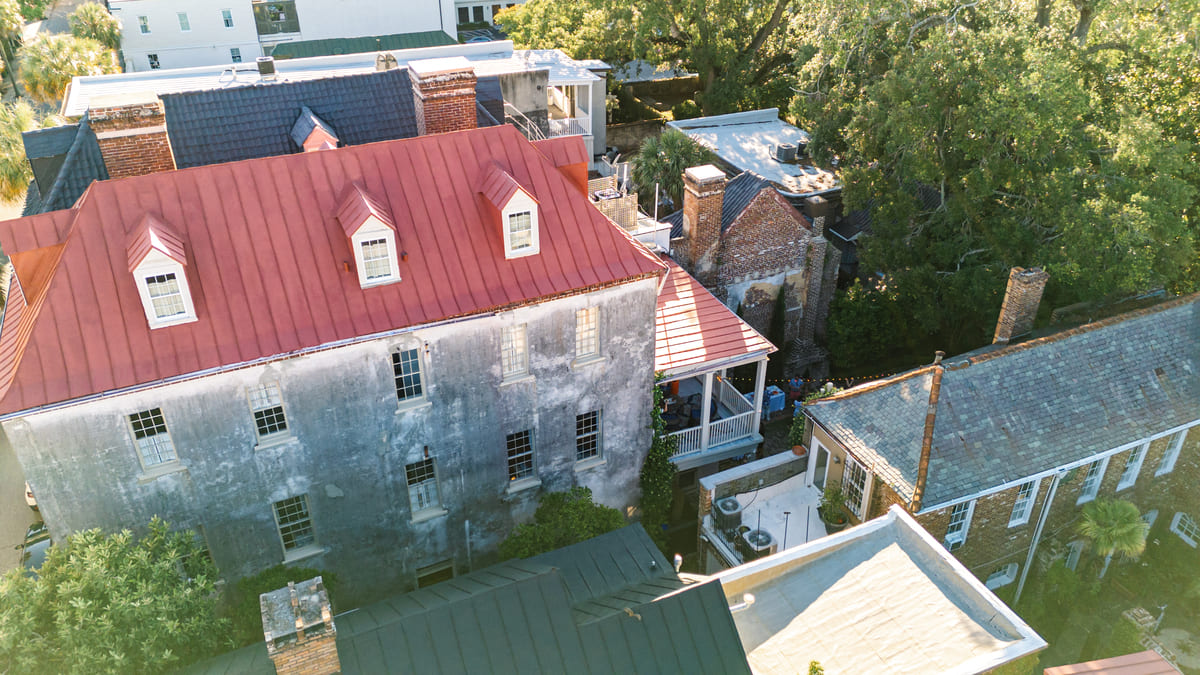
{"x":517,"y":210}
{"x":372,"y":234}
{"x":157,"y":261}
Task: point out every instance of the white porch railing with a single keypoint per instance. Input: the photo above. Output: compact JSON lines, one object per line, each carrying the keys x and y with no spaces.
{"x":732,"y":399}
{"x":719,"y":432}
{"x":688,"y":441}
{"x":570,"y":126}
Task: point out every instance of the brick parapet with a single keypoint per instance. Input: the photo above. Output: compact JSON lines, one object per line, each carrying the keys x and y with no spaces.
{"x":703,"y":199}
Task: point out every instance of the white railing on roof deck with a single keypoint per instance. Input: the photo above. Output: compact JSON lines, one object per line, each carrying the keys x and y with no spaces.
{"x":730,"y":429}
{"x":732,"y":399}
{"x":570,"y":126}
{"x":689,"y":441}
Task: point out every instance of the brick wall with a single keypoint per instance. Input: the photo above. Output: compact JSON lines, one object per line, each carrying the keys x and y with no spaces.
{"x":133,"y":138}
{"x":770,"y":236}
{"x":704,"y":195}
{"x":316,"y":655}
{"x":445,"y":102}
{"x":1021,"y":299}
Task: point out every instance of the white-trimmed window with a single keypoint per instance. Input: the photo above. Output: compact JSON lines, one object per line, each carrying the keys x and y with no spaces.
{"x":1133,"y":465}
{"x":854,"y":484}
{"x":144,"y":25}
{"x":295,"y":523}
{"x":520,"y":218}
{"x":266,"y":403}
{"x":227,"y":18}
{"x":153,"y":441}
{"x":520,"y":231}
{"x":587,"y":435}
{"x":406,"y":368}
{"x":1023,"y":506}
{"x":960,"y":524}
{"x":163,"y":287}
{"x":1003,"y":576}
{"x":1091,"y":481}
{"x":1149,"y":517}
{"x":587,"y":332}
{"x":184,"y":24}
{"x":423,"y":486}
{"x":1185,"y":526}
{"x":520,"y":455}
{"x":153,"y":60}
{"x":375,"y":252}
{"x":165,"y":296}
{"x":514,"y":352}
{"x":376,"y":260}
{"x":1167,"y":465}
{"x":235,"y":54}
{"x":1074,"y":551}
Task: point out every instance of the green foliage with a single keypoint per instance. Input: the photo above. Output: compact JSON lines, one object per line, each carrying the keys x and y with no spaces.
{"x":658,"y":472}
{"x":561,"y":519}
{"x":93,"y":22}
{"x":49,"y":62}
{"x":814,"y":668}
{"x":833,"y":503}
{"x":34,"y":10}
{"x":827,"y":390}
{"x":685,"y":110}
{"x":15,"y":118}
{"x":246,"y":611}
{"x":1126,"y":638}
{"x":113,"y":604}
{"x":796,"y":431}
{"x":1050,"y":598}
{"x":1113,"y":526}
{"x":663,"y":159}
{"x":11,"y":21}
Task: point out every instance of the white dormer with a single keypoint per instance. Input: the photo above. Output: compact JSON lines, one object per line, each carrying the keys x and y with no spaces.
{"x":158,"y":261}
{"x":517,"y":210}
{"x":372,"y":234}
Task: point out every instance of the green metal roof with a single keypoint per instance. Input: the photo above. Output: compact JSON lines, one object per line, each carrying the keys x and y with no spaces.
{"x":305,"y":48}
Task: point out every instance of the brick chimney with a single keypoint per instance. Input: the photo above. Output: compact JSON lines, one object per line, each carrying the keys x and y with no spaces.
{"x":445,"y":94}
{"x":298,"y":627}
{"x":1021,"y":300}
{"x":131,"y":130}
{"x":703,"y":198}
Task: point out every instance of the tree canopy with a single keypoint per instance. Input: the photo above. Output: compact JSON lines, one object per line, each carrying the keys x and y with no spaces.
{"x":561,"y":519}
{"x":93,"y":22}
{"x":49,"y":62}
{"x":16,"y":118}
{"x":112,"y":604}
{"x":663,"y":159}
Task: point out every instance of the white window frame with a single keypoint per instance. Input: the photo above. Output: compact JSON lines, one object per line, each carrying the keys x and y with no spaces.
{"x":1167,"y":464}
{"x":1074,"y":553}
{"x":860,"y":508}
{"x":587,"y":330}
{"x":422,"y":382}
{"x":296,"y":551}
{"x":520,"y":203}
{"x":958,"y":537}
{"x":514,"y":351}
{"x":1023,"y":506}
{"x":160,"y":441}
{"x":1003,"y":576}
{"x":595,"y":436}
{"x":425,"y":495}
{"x":1133,"y":466}
{"x":373,"y":229}
{"x":1087,"y":494}
{"x":152,"y":59}
{"x":227,"y":18}
{"x":531,"y":452}
{"x":157,"y":264}
{"x":185,"y":24}
{"x":265,"y":398}
{"x":144,"y":25}
{"x":235,"y":54}
{"x":1186,"y":528}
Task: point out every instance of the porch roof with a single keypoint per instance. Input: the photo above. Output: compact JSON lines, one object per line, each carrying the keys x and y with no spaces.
{"x":692,"y":329}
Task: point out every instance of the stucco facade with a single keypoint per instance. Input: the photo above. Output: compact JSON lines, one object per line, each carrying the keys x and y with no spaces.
{"x":349,"y":441}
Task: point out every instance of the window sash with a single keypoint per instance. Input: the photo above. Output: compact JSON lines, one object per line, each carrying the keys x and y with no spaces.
{"x":520,"y":231}
{"x":587,"y":435}
{"x":520,"y":455}
{"x":960,"y":521}
{"x":1167,"y":464}
{"x":235,"y":54}
{"x":227,"y":18}
{"x":587,"y":329}
{"x":151,"y":436}
{"x":855,"y":485}
{"x":514,"y":353}
{"x":1133,"y":466}
{"x":294,"y":522}
{"x":144,"y":25}
{"x":377,"y":262}
{"x":165,"y":295}
{"x":1091,"y":482}
{"x":184,"y":24}
{"x":406,"y":367}
{"x":422,"y":485}
{"x":1023,"y":506}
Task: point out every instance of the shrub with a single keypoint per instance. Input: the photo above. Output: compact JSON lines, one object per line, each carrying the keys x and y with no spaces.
{"x":246,"y":613}
{"x":685,"y":110}
{"x":561,"y":519}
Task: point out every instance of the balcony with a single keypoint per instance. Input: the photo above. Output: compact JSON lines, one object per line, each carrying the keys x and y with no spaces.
{"x":731,"y":425}
{"x":570,"y":126}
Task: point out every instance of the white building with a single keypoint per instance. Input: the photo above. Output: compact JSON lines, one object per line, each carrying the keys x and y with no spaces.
{"x":184,"y":33}
{"x":474,"y":11}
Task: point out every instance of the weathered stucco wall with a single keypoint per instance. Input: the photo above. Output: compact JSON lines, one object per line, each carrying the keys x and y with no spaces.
{"x":350,"y":443}
{"x":526,"y":91}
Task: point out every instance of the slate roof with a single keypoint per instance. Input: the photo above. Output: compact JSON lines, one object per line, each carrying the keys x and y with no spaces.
{"x":739,"y":192}
{"x":265,"y":260}
{"x":517,"y":617}
{"x":1006,"y":413}
{"x":332,"y":46}
{"x":81,"y":165}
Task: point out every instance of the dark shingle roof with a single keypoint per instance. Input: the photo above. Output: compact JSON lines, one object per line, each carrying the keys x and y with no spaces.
{"x":1011,"y":412}
{"x":226,"y":125}
{"x":49,"y":141}
{"x":81,"y":164}
{"x":739,"y":192}
{"x":358,"y":45}
{"x":305,"y":123}
{"x":517,"y":617}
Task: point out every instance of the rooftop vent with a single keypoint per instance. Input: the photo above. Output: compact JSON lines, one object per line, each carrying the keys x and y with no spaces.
{"x":266,"y":67}
{"x":727,"y":514}
{"x":757,"y":544}
{"x":385,"y":61}
{"x":784,"y":152}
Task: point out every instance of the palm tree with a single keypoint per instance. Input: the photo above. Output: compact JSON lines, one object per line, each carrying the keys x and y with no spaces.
{"x":92,"y":21}
{"x":1113,"y":526}
{"x":11,"y":25}
{"x":663,"y":160}
{"x":15,"y":118}
{"x":49,"y":62}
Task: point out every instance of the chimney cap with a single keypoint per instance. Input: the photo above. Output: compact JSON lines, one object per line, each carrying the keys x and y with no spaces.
{"x":424,"y":68}
{"x":294,"y":608}
{"x":705,"y":173}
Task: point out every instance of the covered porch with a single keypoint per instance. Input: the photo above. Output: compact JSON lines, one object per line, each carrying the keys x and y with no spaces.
{"x":697,"y":340}
{"x":570,"y":107}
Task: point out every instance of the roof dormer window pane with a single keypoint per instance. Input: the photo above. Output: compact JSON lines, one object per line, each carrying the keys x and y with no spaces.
{"x":165,"y":295}
{"x":520,"y":230}
{"x":376,"y":263}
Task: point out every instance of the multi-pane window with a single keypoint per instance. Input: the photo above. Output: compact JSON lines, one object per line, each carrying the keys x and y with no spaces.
{"x":1091,"y":482}
{"x":406,"y":366}
{"x":227,"y":18}
{"x":376,"y":262}
{"x":153,"y":59}
{"x":520,"y":230}
{"x":144,"y":24}
{"x":267,"y":405}
{"x":235,"y":54}
{"x":587,"y":435}
{"x":1185,"y":526}
{"x":1074,"y":551}
{"x":1167,"y":464}
{"x":150,"y":434}
{"x":165,"y":295}
{"x":1003,"y":576}
{"x":294,"y":522}
{"x":1133,"y":465}
{"x":422,"y":485}
{"x":587,"y":332}
{"x":855,"y":485}
{"x":184,"y":24}
{"x":960,"y":523}
{"x":520,"y":455}
{"x":464,"y":15}
{"x":514,"y":356}
{"x":1023,"y":506}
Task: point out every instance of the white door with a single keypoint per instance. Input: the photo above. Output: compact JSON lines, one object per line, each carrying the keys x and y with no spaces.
{"x":818,"y":465}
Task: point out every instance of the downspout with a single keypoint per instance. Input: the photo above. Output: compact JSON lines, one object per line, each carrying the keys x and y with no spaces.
{"x":935,"y":390}
{"x":1037,"y":534}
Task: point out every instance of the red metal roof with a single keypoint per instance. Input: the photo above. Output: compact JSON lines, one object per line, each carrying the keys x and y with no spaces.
{"x":569,"y":154}
{"x":357,"y":207}
{"x":151,"y":234}
{"x":1148,"y":662}
{"x":267,"y":258}
{"x":498,"y":186}
{"x":691,"y":327}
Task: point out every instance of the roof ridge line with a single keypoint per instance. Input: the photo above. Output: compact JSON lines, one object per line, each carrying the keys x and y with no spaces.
{"x":874,"y":384}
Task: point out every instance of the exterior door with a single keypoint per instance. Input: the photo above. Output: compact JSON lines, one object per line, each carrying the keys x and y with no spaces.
{"x":819,"y":465}
{"x":854,"y":486}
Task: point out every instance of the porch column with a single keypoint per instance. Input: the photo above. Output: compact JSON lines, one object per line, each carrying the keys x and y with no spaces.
{"x":705,"y":409}
{"x":759,"y":380}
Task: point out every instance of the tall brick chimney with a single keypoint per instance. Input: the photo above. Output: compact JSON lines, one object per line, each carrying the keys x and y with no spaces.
{"x":298,"y":627}
{"x":1021,"y":300}
{"x":703,"y":199}
{"x":131,"y":130}
{"x":445,"y":94}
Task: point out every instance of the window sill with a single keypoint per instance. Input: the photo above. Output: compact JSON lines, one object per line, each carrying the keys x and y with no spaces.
{"x":172,"y":321}
{"x":428,"y":514}
{"x":1083,"y":500}
{"x":517,"y":379}
{"x":588,"y":360}
{"x":589,"y":463}
{"x":302,"y":554}
{"x":1018,"y":524}
{"x":159,"y":470}
{"x":410,"y":406}
{"x":276,"y":442}
{"x":515,"y":486}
